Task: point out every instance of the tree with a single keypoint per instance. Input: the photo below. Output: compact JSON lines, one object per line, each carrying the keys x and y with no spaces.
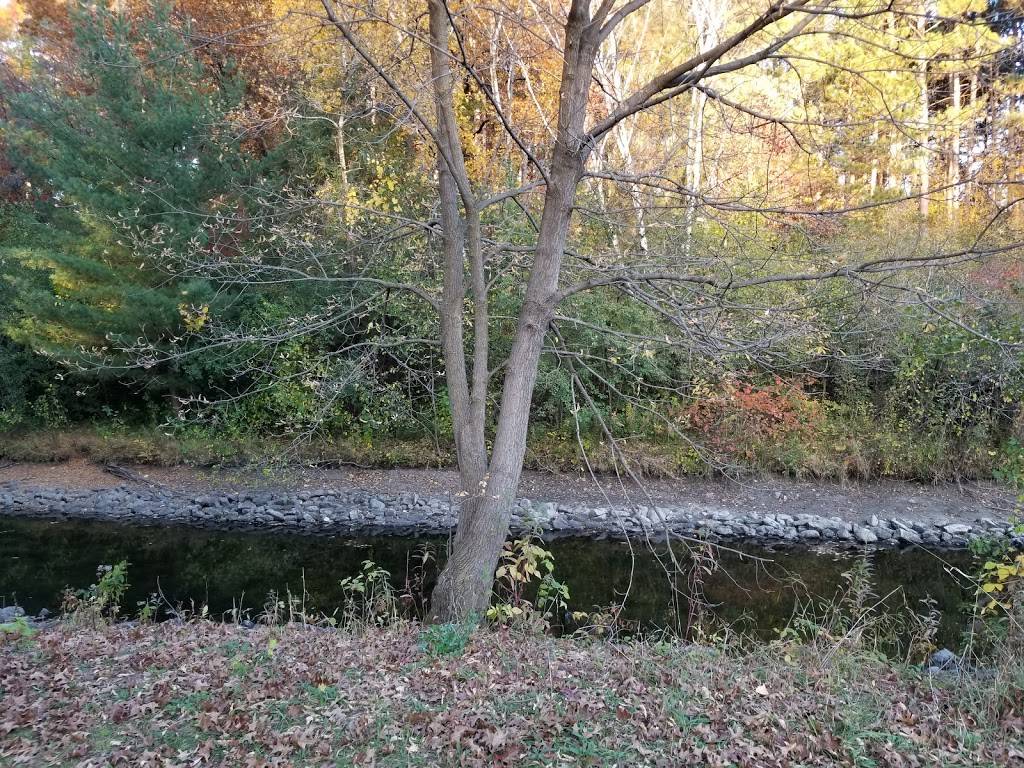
{"x":737,"y":263}
{"x":127,"y":130}
{"x":490,"y":476}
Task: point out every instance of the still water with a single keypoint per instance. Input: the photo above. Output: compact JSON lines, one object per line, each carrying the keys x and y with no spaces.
{"x":39,"y":559}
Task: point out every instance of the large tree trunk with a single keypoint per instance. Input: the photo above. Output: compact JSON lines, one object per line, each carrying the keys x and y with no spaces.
{"x":463,"y":590}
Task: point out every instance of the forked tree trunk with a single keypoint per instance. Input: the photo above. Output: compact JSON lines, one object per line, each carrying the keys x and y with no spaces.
{"x":463,"y":590}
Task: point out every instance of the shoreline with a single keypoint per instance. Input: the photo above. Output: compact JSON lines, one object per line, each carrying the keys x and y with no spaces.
{"x":353,"y":511}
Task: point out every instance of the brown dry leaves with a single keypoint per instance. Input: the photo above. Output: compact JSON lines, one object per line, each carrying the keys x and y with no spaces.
{"x":205,"y":694}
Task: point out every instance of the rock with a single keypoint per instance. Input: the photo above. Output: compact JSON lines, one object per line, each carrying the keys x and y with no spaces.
{"x":908,"y":536}
{"x":357,"y":510}
{"x":864,"y":535}
{"x":10,"y":613}
{"x":544,"y":512}
{"x":943,"y":659}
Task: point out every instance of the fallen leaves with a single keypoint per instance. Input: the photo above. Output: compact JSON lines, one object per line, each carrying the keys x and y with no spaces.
{"x":205,"y":694}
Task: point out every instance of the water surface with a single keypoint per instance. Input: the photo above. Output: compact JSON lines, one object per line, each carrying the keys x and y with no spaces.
{"x":39,"y":559}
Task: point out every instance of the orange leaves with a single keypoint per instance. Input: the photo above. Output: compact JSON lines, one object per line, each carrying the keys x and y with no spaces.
{"x":738,"y":415}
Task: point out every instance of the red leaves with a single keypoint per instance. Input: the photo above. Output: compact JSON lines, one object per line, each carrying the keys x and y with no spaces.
{"x":739,"y":414}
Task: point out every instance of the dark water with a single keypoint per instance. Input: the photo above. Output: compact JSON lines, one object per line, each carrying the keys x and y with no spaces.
{"x":39,"y":559}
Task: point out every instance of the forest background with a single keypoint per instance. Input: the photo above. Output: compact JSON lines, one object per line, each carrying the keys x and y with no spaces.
{"x":148,"y":149}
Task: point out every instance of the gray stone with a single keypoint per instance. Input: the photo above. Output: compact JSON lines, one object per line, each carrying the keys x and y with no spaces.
{"x":10,"y":613}
{"x":545,"y":511}
{"x":354,"y":509}
{"x":943,"y":659}
{"x":864,"y":535}
{"x":908,"y":536}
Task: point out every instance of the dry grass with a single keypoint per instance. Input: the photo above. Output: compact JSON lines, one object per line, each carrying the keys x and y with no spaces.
{"x":905,"y":458}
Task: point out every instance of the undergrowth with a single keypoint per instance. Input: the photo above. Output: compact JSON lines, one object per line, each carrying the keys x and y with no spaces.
{"x":847,"y":444}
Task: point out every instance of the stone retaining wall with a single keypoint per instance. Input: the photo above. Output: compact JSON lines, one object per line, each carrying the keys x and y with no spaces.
{"x":355,"y":511}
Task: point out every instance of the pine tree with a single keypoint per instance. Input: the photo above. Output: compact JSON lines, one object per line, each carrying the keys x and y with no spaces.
{"x":128,"y":147}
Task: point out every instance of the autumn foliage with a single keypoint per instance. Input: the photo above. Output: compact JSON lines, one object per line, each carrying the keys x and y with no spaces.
{"x":736,"y":415}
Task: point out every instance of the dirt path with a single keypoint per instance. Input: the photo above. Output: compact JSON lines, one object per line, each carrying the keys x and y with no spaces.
{"x":854,"y":502}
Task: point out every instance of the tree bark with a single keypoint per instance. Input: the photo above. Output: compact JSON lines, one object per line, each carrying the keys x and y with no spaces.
{"x":461,"y":237}
{"x":953,"y":175}
{"x":463,"y":590}
{"x":924,"y":158}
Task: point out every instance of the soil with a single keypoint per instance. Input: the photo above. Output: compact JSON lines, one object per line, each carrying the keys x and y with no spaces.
{"x":856,"y":502}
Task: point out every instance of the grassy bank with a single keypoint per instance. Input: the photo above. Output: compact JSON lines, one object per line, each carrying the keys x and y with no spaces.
{"x":214,"y":694}
{"x":827,"y":456}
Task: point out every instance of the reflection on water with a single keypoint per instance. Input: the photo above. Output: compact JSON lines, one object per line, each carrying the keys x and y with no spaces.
{"x":38,"y":559}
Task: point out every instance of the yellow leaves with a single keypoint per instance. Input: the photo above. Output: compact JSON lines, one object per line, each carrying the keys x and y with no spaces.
{"x":998,"y":577}
{"x":194,"y":317}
